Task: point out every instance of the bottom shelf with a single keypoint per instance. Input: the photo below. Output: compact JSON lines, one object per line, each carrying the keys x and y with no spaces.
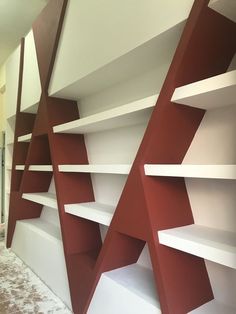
{"x":129,"y":289}
{"x":214,"y":307}
{"x":38,"y":244}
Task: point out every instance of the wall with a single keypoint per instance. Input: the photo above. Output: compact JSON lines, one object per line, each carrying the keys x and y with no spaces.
{"x":2,"y":102}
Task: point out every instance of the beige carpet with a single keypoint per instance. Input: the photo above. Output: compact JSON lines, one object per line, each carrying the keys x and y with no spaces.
{"x":21,"y":291}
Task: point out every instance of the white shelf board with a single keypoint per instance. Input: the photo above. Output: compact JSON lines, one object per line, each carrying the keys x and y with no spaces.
{"x":101,"y":213}
{"x":214,"y":307}
{"x":191,"y":171}
{"x":20,"y":167}
{"x":214,"y":92}
{"x":109,"y":169}
{"x":129,"y":114}
{"x":31,"y":109}
{"x":40,"y":168}
{"x":45,"y":228}
{"x":138,"y":280}
{"x":225,"y":7}
{"x":129,"y":289}
{"x":25,"y":138}
{"x":44,"y":198}
{"x":212,"y":244}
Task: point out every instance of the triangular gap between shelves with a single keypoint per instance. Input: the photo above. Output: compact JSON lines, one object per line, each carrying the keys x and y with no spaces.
{"x":19,"y":208}
{"x":167,"y":138}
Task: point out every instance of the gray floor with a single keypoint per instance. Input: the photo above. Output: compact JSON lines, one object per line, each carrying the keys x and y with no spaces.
{"x":21,"y":291}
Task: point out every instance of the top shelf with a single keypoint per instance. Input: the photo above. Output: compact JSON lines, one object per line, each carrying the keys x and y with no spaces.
{"x":225,"y":7}
{"x":192,"y":171}
{"x":214,"y":92}
{"x":130,"y":114}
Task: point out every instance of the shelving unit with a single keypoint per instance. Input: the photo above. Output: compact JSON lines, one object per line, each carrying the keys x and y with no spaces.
{"x":213,"y":92}
{"x":43,"y":198}
{"x":111,"y":169}
{"x":211,"y":244}
{"x":134,"y":113}
{"x":192,"y":171}
{"x":97,"y":132}
{"x":101,"y":213}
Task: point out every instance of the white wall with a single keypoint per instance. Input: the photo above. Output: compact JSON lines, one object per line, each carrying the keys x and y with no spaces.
{"x":12,"y":79}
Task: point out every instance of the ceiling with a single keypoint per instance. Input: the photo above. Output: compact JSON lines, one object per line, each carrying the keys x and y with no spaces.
{"x":16,"y":18}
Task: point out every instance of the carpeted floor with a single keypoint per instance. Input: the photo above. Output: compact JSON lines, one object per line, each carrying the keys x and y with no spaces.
{"x":21,"y":291}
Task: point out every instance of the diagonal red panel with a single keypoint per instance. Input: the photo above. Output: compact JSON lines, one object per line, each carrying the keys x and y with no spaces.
{"x":46,"y":29}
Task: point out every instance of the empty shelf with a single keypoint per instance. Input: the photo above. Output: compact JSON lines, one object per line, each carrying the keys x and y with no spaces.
{"x":111,"y":169}
{"x":25,"y":138}
{"x":20,"y":167}
{"x":210,"y":93}
{"x":93,"y":211}
{"x":212,"y":244}
{"x":40,"y":168}
{"x":44,"y":198}
{"x":214,"y":307}
{"x":192,"y":171}
{"x":130,"y":114}
{"x":129,"y":289}
{"x":42,"y":227}
{"x":225,"y":7}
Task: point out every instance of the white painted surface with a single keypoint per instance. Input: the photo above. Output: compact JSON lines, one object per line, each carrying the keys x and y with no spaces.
{"x":128,"y":38}
{"x":40,"y":168}
{"x":213,"y":201}
{"x":133,"y":113}
{"x":212,"y":244}
{"x":20,"y":167}
{"x":214,"y":307}
{"x":210,"y":93}
{"x":192,"y":171}
{"x":223,"y":283}
{"x":44,"y":198}
{"x":33,"y":240}
{"x":214,"y":141}
{"x":224,"y":7}
{"x":31,"y":88}
{"x":25,"y":138}
{"x":101,"y":213}
{"x":129,"y":290}
{"x":111,"y":169}
{"x":12,"y":79}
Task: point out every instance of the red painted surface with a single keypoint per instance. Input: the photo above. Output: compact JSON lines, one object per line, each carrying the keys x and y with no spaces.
{"x":147,"y":204}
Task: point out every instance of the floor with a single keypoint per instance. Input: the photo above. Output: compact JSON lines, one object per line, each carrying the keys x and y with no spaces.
{"x":21,"y":291}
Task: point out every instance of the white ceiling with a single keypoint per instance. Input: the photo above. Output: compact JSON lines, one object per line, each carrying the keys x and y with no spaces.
{"x":16,"y":18}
